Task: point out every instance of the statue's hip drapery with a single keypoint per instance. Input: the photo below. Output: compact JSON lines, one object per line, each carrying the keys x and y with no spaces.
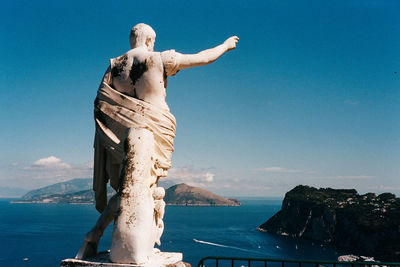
{"x":115,"y":114}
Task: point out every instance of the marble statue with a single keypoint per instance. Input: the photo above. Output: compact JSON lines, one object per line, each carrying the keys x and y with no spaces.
{"x":133,"y":144}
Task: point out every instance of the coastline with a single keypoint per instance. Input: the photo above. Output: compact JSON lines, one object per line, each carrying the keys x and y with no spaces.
{"x":42,"y":202}
{"x":91,"y":203}
{"x":205,"y":205}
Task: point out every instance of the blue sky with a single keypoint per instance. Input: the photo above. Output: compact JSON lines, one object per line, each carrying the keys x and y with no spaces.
{"x":310,"y":96}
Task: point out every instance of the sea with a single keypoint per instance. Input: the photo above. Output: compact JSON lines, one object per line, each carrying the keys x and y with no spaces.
{"x":45,"y":234}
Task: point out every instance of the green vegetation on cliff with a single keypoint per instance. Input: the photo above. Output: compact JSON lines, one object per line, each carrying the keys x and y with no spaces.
{"x":362,"y":224}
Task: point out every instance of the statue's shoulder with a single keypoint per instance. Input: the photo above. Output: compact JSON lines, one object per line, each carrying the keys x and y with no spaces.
{"x":167,"y":55}
{"x":170,"y":61}
{"x":135,"y":54}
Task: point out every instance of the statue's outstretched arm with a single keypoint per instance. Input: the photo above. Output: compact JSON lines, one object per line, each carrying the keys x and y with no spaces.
{"x":207,"y":56}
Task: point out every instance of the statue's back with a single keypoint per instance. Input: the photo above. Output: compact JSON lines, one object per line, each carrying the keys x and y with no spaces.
{"x":140,"y":73}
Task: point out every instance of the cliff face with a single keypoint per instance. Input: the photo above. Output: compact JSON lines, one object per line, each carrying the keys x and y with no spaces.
{"x":363,"y":224}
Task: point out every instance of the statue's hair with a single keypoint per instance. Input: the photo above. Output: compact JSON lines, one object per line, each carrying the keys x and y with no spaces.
{"x":140,"y":33}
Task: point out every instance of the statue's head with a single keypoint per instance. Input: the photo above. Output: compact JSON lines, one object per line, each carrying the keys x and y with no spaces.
{"x":142,"y":35}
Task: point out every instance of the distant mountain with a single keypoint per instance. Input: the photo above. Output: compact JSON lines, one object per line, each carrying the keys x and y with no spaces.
{"x":71,"y":186}
{"x":166,"y":184}
{"x":183,"y":194}
{"x":79,"y":191}
{"x":80,"y":197}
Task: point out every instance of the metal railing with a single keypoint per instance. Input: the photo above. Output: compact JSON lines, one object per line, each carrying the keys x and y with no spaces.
{"x":255,"y":262}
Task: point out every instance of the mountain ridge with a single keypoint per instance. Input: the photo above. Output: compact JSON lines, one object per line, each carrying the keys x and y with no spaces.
{"x":78,"y":191}
{"x":70,"y":186}
{"x":186,"y":195}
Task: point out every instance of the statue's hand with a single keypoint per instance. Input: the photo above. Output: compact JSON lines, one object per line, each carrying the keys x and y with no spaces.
{"x":231,"y":42}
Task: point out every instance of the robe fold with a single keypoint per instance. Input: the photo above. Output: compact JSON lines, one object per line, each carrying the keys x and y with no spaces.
{"x":115,"y":113}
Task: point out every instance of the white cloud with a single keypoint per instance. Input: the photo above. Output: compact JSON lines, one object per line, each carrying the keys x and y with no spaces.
{"x":55,"y":170}
{"x":190,"y":175}
{"x":50,"y":163}
{"x":209,"y":177}
{"x":278,"y":169}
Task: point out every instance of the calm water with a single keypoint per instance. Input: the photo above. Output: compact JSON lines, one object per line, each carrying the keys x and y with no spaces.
{"x":44,"y":234}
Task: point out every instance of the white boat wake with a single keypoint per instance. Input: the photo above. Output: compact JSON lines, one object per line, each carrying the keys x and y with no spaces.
{"x":225,"y":246}
{"x":210,"y":243}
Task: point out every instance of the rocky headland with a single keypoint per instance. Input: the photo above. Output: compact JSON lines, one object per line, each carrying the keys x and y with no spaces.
{"x":183,"y":194}
{"x":361,"y":224}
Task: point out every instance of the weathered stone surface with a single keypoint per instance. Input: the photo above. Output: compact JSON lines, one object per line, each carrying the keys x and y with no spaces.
{"x":102,"y":259}
{"x":134,"y":143}
{"x":361,"y":224}
{"x":134,"y":226}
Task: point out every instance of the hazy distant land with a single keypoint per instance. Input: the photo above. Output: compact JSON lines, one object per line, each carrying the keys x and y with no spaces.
{"x":78,"y":191}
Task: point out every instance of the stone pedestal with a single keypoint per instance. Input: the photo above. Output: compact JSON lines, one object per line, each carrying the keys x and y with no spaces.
{"x":102,"y":259}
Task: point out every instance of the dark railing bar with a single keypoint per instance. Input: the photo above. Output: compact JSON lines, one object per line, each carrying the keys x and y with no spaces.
{"x":300,"y":262}
{"x":233,"y":263}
